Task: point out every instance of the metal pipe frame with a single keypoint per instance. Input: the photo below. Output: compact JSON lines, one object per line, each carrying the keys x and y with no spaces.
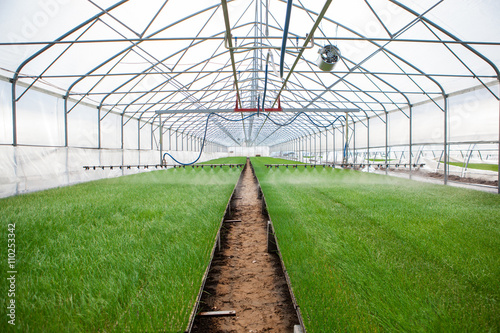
{"x":211,"y":88}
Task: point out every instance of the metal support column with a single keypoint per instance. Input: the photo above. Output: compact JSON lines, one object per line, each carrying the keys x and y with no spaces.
{"x":386,"y":138}
{"x":343,"y":143}
{"x":99,"y":138}
{"x":411,"y":140}
{"x":446,"y":162}
{"x":139,"y":134}
{"x":121,"y":131}
{"x":333,"y":148}
{"x":326,"y":148}
{"x":368,"y":142}
{"x":160,"y":138}
{"x":355,"y":157}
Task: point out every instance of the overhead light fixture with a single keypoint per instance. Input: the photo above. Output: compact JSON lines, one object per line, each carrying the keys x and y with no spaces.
{"x":329,"y":55}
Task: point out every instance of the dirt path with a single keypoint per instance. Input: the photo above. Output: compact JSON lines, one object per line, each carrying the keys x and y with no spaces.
{"x":244,"y":277}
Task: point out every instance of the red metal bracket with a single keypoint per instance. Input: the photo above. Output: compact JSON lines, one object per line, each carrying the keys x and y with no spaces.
{"x":238,"y":109}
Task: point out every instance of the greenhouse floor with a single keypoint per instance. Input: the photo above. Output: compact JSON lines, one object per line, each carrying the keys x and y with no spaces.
{"x":438,"y":181}
{"x":243,"y":276}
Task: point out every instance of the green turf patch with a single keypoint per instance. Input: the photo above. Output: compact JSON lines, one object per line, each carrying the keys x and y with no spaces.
{"x":226,"y":160}
{"x":271,"y":160}
{"x":115,"y":255}
{"x":478,"y":166}
{"x":369,"y":253}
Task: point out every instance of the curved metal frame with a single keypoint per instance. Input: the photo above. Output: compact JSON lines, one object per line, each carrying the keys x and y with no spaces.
{"x":212,"y":88}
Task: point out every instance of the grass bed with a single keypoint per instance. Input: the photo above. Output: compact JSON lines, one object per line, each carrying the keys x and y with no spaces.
{"x":478,"y":166}
{"x":115,"y":255}
{"x":370,"y":253}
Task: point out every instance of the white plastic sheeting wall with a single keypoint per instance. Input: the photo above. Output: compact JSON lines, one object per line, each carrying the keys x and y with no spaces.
{"x":40,"y":160}
{"x":473,"y":117}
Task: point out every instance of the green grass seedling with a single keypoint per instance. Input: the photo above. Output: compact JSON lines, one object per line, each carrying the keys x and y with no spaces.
{"x":368,"y":253}
{"x":478,"y":166}
{"x":114,"y":255}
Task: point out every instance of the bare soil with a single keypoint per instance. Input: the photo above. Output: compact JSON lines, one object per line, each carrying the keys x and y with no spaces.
{"x":244,"y":277}
{"x":436,"y":175}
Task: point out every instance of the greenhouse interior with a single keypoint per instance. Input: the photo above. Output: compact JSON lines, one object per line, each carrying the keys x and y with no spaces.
{"x":140,"y":138}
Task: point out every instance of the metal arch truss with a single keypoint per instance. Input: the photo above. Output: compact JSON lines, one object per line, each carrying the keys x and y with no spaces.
{"x":173,"y":90}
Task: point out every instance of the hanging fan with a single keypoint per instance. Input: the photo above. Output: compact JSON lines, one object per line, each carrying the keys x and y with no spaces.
{"x":329,"y":55}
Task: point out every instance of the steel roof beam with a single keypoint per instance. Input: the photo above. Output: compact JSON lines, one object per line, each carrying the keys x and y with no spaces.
{"x":350,"y":110}
{"x":165,"y":39}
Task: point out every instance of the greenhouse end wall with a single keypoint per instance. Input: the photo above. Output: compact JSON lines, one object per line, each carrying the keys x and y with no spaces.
{"x":40,"y":159}
{"x":27,"y":169}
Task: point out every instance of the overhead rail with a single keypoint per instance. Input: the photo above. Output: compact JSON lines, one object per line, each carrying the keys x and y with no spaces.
{"x":166,"y":39}
{"x":266,"y":47}
{"x":348,"y":110}
{"x":257,"y":109}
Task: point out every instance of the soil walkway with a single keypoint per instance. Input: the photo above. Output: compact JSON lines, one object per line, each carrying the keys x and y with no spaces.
{"x":243,"y":276}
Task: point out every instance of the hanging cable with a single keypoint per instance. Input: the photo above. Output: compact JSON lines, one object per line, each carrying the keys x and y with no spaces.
{"x":285,"y":36}
{"x":244,"y":118}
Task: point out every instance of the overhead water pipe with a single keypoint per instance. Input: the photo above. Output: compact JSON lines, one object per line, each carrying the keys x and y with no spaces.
{"x":244,"y":118}
{"x":285,"y":35}
{"x":299,"y":55}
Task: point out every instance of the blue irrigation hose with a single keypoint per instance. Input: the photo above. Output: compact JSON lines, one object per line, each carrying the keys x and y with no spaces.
{"x":258,"y":105}
{"x":244,"y":118}
{"x":285,"y":35}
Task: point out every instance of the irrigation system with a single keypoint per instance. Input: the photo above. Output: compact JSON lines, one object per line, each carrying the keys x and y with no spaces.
{"x":402,"y":82}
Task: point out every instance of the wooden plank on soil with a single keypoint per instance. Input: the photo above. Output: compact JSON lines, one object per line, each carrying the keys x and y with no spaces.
{"x":218,"y":313}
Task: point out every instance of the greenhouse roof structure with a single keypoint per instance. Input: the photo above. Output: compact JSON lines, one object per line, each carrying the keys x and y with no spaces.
{"x":167,"y":61}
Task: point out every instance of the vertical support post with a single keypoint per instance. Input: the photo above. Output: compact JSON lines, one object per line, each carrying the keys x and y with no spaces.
{"x":139,"y":133}
{"x":16,"y":171}
{"x":316,"y":148}
{"x":346,"y":144}
{"x":65,"y":122}
{"x":411,"y":140}
{"x":14,"y":117}
{"x":386,"y":138}
{"x":310,"y":147}
{"x":169,"y":139}
{"x":326,"y":148}
{"x":446,"y":164}
{"x":499,"y":144}
{"x":334,"y":151}
{"x":99,"y":135}
{"x":368,"y":141}
{"x":355,"y":157}
{"x":139,"y":140}
{"x":160,"y":129}
{"x":121,"y":131}
{"x":343,"y":142}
